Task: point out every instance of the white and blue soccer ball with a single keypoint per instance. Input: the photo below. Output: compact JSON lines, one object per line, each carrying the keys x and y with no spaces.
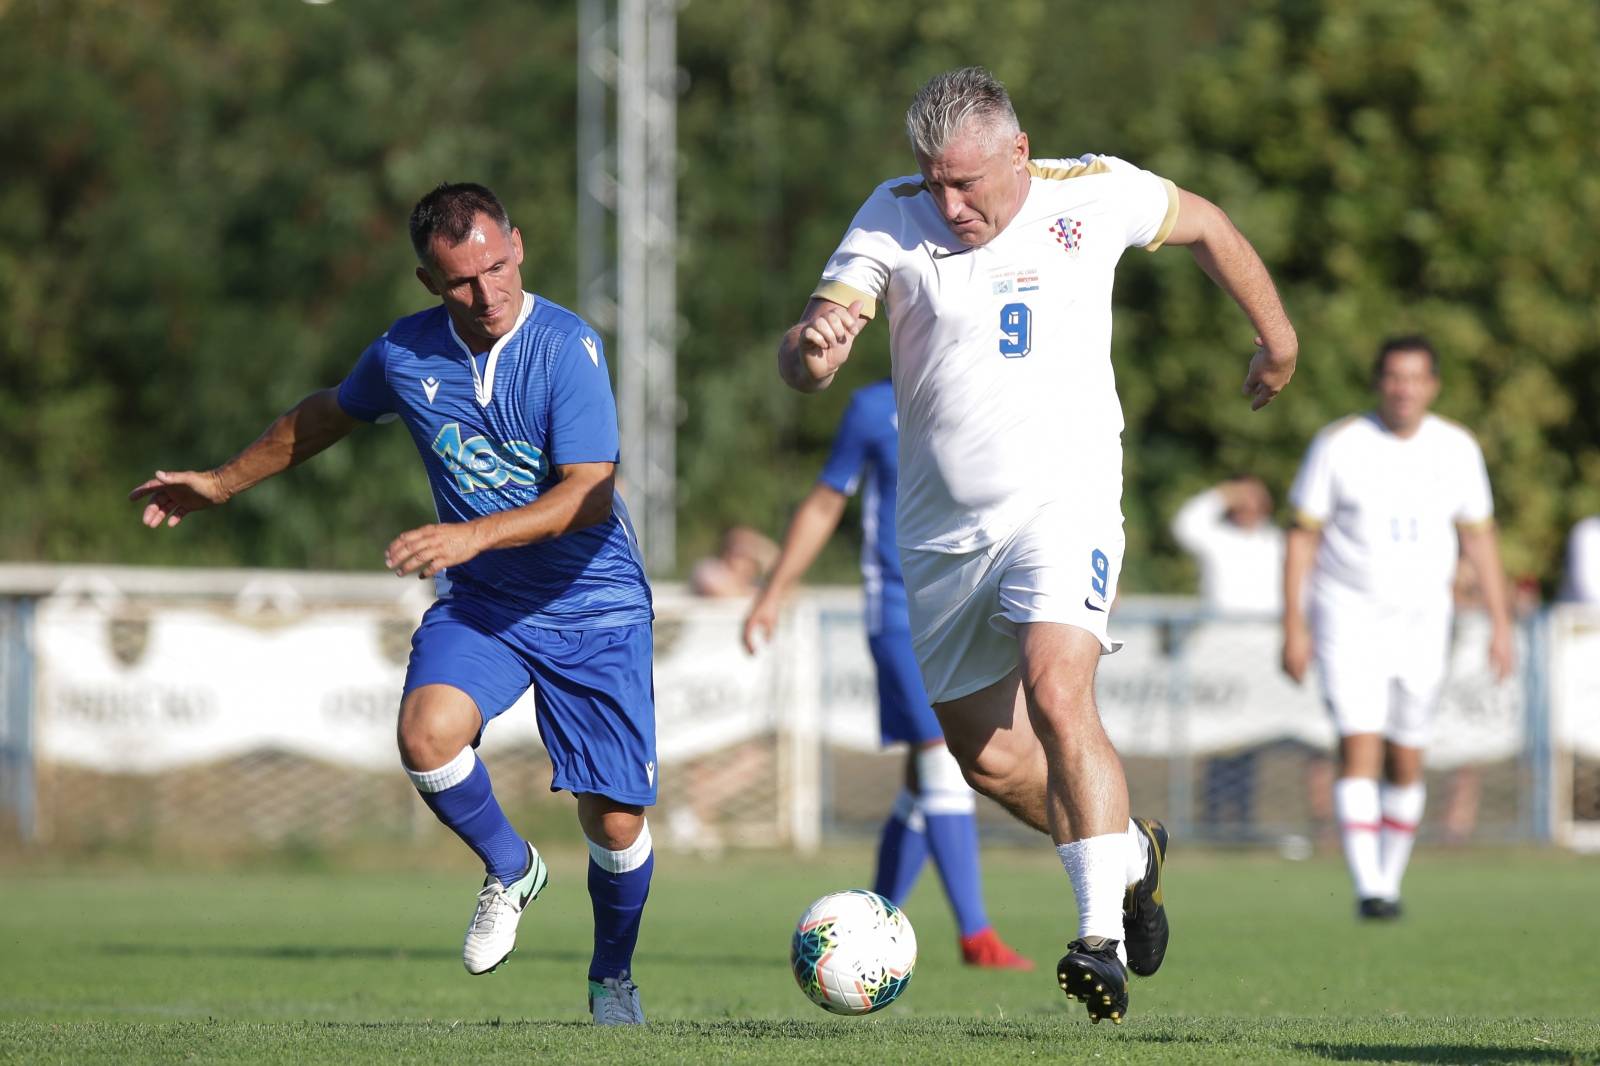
{"x":853,"y":952}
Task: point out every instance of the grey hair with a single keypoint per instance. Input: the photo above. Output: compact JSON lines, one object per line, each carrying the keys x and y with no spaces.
{"x":949,"y":101}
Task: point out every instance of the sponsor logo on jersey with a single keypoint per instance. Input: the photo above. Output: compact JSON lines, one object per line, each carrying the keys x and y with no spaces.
{"x":1003,"y":281}
{"x":1068,"y":233}
{"x":479,"y":463}
{"x":430,"y":387}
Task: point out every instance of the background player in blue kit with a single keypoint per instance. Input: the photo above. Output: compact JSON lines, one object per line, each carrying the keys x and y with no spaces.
{"x":508,"y":400}
{"x":936,"y":810}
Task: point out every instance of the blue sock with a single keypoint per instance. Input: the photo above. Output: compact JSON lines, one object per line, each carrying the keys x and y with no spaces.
{"x":460,"y":795}
{"x":619,"y":884}
{"x":901,"y":851}
{"x":953,"y":840}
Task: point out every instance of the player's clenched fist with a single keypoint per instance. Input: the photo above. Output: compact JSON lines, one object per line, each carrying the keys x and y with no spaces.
{"x":825,"y":342}
{"x":815,"y":348}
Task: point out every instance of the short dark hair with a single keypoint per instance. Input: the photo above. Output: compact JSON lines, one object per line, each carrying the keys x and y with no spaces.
{"x":449,"y":211}
{"x":1410,"y":342}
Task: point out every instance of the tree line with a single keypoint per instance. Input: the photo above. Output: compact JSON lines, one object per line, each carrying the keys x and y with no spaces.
{"x":203,"y":208}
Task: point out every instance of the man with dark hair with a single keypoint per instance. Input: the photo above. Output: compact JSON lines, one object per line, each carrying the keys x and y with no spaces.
{"x":1385,"y":503}
{"x":996,"y":270}
{"x":507,"y":398}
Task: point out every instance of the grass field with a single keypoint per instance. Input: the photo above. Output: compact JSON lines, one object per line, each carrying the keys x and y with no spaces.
{"x":1497,"y":961}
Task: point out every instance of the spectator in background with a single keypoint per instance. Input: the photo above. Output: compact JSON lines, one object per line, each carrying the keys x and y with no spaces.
{"x":1583,"y":562}
{"x":1228,"y":529}
{"x":738,"y":567}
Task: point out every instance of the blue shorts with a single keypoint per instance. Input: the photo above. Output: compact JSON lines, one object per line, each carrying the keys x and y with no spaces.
{"x":904,"y":712}
{"x":593,"y":693}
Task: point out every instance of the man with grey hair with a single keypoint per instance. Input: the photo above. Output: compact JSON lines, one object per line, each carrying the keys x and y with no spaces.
{"x":996,"y":272}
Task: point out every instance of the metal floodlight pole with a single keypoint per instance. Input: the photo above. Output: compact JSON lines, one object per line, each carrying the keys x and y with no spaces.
{"x":637,"y":188}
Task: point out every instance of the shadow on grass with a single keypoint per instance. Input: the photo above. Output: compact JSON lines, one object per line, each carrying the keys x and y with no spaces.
{"x":1462,"y":1053}
{"x":327,"y":952}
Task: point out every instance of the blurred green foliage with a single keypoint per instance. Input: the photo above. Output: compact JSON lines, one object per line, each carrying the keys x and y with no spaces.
{"x":202,"y":218}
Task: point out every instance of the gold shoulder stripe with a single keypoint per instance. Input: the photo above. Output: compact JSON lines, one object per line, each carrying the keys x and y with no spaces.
{"x":1480,"y":526}
{"x":1077,"y":170}
{"x":908,"y":188}
{"x":1302,"y":520}
{"x":1344,"y":423}
{"x":843,"y":295}
{"x":1169,"y":221}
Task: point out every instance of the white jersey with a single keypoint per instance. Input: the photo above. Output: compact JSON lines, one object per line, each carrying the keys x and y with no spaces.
{"x":1583,"y":562}
{"x":1002,"y":353}
{"x":1241,"y":570}
{"x":1388,"y":508}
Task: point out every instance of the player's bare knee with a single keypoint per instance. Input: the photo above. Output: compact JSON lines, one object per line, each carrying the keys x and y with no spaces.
{"x":608,"y":823}
{"x":995,"y":771}
{"x":431,"y":732}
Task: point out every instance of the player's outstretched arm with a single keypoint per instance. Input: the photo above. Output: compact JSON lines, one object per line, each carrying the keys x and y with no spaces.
{"x":582,"y":498}
{"x":1299,"y":552}
{"x":295,"y":436}
{"x":813,"y":523}
{"x":814,"y":348}
{"x":1228,"y":258}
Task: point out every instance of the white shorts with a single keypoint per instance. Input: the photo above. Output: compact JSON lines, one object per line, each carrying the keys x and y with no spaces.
{"x":1059,"y":566}
{"x":1381,"y":669}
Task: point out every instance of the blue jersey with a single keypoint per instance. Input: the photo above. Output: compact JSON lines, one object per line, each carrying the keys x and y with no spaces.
{"x":866,"y":452}
{"x":491,"y":429}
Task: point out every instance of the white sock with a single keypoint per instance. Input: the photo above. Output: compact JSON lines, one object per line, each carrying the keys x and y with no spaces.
{"x":449,"y":775}
{"x":1096,"y":866}
{"x":629,"y":858}
{"x":1355,"y":803}
{"x":1402,"y":810}
{"x":1138,"y":853}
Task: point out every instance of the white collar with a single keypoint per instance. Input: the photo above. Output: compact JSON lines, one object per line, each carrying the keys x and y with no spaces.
{"x":483,"y":384}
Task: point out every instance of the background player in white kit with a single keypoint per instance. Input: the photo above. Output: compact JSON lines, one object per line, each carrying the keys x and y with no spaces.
{"x":996,"y":274}
{"x":1385,"y":502}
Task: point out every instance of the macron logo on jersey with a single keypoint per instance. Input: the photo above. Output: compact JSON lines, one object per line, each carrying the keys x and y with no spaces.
{"x":430,"y":387}
{"x":589,"y":346}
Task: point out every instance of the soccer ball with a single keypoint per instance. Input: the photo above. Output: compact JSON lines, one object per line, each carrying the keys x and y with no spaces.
{"x":853,"y":952}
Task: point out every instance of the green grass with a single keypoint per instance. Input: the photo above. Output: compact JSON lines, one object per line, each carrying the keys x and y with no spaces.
{"x":1497,"y":961}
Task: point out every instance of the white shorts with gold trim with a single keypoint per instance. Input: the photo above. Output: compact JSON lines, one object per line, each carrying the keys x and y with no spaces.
{"x":1061,"y":565}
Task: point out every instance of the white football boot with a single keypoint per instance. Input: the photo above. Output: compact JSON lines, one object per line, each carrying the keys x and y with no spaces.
{"x":492,"y":936}
{"x":615,"y":1001}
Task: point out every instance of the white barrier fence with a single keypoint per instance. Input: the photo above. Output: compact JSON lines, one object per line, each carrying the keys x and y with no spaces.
{"x":130,"y":672}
